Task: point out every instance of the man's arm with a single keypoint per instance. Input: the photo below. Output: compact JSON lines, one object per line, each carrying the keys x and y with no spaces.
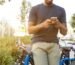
{"x":62,"y":23}
{"x":63,"y":28}
{"x":32,"y":28}
{"x":35,"y":28}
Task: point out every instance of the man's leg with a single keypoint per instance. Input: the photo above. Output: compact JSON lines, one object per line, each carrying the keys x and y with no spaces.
{"x":39,"y":55}
{"x":54,"y":54}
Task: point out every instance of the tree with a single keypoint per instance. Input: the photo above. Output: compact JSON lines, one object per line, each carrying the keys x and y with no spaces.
{"x":23,"y":11}
{"x":5,"y":28}
{"x":25,"y":7}
{"x":2,"y":2}
{"x":73,"y":21}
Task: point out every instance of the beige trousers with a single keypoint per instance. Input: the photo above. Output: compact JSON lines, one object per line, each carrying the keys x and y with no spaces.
{"x":46,"y":53}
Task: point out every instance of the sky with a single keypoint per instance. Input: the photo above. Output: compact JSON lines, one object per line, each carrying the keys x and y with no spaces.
{"x":10,"y":11}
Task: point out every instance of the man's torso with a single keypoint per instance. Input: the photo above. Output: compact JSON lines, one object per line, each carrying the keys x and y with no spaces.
{"x":42,"y":13}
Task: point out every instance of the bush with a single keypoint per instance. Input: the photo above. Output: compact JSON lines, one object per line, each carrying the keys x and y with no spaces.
{"x":8,"y":49}
{"x":5,"y":57}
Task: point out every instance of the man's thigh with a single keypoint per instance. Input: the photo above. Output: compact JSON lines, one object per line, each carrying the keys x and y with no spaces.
{"x":54,"y":55}
{"x":39,"y":55}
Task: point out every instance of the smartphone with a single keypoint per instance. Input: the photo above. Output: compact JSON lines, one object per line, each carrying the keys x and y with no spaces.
{"x":53,"y":18}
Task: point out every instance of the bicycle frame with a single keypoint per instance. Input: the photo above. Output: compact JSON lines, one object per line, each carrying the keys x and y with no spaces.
{"x":26,"y":60}
{"x":62,"y":61}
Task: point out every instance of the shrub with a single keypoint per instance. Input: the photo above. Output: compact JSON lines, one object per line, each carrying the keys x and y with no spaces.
{"x":8,"y":49}
{"x":5,"y":57}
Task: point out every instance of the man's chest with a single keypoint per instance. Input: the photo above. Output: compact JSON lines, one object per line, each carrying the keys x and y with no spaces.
{"x":43,"y":14}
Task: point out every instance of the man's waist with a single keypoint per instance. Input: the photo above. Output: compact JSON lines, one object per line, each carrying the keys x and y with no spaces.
{"x":55,"y":40}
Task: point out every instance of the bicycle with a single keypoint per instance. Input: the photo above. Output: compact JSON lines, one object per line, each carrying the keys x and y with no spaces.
{"x":25,"y":53}
{"x":27,"y":59}
{"x":66,"y":59}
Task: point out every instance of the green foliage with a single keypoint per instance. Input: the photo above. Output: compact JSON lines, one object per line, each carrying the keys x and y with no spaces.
{"x":5,"y":57}
{"x":2,"y":2}
{"x":8,"y":50}
{"x":6,"y":44}
{"x":23,"y":11}
{"x":26,"y":39}
{"x":73,"y":21}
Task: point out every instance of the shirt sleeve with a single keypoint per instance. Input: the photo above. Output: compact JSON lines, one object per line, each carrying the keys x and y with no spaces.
{"x":63,"y":17}
{"x":32,"y":15}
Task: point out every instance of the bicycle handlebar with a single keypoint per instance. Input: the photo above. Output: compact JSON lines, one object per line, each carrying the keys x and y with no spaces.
{"x":67,"y":39}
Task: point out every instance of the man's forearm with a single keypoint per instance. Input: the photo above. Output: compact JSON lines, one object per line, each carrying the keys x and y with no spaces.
{"x":63,"y":29}
{"x":35,"y":29}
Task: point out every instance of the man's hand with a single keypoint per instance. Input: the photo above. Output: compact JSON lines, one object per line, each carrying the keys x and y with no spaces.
{"x":55,"y":21}
{"x":32,"y":28}
{"x":47,"y":23}
{"x":61,"y":26}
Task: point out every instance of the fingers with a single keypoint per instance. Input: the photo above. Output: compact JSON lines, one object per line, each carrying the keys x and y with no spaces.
{"x":52,"y":20}
{"x":48,"y":21}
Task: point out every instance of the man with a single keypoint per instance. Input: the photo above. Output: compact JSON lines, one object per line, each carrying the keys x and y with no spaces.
{"x":44,"y":22}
